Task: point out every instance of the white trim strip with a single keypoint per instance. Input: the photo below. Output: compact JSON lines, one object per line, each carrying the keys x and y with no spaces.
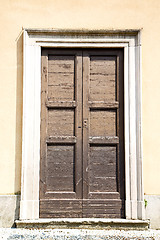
{"x":33,"y":41}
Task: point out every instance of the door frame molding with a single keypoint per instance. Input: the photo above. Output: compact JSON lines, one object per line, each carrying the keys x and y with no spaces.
{"x":130,"y":41}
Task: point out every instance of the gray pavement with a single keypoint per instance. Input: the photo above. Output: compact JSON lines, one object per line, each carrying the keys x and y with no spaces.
{"x":76,"y":234}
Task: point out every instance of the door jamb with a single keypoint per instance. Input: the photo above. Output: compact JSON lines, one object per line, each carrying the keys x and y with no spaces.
{"x":130,"y":41}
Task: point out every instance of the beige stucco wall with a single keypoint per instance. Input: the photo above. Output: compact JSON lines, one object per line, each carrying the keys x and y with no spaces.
{"x":79,"y":14}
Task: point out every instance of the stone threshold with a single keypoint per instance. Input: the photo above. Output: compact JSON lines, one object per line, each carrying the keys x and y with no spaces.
{"x":84,"y":223}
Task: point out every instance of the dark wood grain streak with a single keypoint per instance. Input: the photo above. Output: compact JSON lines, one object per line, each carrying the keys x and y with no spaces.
{"x":103,"y":208}
{"x":103,"y":105}
{"x":61,"y":104}
{"x":104,"y":140}
{"x":60,"y":208}
{"x":61,"y":139}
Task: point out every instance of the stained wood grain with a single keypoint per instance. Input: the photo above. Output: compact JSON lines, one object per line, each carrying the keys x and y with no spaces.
{"x":103,"y":105}
{"x":61,"y":134}
{"x":61,"y":104}
{"x":103,"y":169}
{"x":61,"y":208}
{"x":102,"y":63}
{"x":104,"y":140}
{"x":103,"y":208}
{"x":103,"y":123}
{"x":61,"y":139}
{"x":103,"y":134}
{"x":82,"y":129}
{"x":60,"y":122}
{"x":102,"y":78}
{"x":61,"y":77}
{"x":60,"y":168}
{"x":61,"y":63}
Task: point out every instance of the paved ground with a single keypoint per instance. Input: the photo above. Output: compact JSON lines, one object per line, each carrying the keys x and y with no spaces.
{"x":76,"y":234}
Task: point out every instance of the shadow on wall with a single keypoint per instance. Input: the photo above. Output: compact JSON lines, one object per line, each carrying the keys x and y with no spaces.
{"x":16,"y":211}
{"x":19,"y":112}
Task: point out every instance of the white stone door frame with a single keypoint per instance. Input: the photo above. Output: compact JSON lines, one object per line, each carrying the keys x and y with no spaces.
{"x":129,"y":40}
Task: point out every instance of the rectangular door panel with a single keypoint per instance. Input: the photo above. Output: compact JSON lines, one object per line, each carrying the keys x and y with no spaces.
{"x":61,"y":122}
{"x":103,"y":122}
{"x":102,"y":78}
{"x":102,"y":169}
{"x":60,"y":168}
{"x":61,"y":77}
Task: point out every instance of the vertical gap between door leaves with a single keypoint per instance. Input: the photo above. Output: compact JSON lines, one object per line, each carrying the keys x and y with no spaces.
{"x":82,"y":134}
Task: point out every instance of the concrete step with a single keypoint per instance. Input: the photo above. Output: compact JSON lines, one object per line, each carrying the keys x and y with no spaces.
{"x":84,"y":223}
{"x":77,"y":234}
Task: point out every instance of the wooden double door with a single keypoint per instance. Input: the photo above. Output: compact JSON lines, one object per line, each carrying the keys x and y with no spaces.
{"x":82,"y":128}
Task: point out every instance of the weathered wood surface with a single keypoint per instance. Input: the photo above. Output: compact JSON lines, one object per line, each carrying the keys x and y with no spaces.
{"x":61,"y":139}
{"x":61,"y":134}
{"x":61,"y":208}
{"x":103,"y":134}
{"x":60,"y":168}
{"x":103,"y":208}
{"x":103,"y":123}
{"x":102,"y":78}
{"x":61,"y":77}
{"x":103,"y":105}
{"x":102,"y":169}
{"x":82,"y":141}
{"x":60,"y":122}
{"x":104,"y":140}
{"x":61,"y":104}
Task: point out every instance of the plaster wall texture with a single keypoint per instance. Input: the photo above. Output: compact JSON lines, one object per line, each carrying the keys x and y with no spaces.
{"x":80,"y":14}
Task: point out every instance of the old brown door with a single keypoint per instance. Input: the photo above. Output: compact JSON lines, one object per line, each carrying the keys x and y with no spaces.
{"x":82,"y":145}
